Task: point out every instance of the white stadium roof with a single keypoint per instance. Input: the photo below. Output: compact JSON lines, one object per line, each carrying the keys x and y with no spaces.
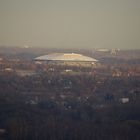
{"x":65,"y":57}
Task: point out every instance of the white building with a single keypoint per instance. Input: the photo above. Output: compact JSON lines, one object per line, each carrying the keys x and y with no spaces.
{"x":66,"y":58}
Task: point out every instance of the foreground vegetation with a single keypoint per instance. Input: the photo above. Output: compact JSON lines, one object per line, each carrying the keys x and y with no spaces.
{"x":52,"y":106}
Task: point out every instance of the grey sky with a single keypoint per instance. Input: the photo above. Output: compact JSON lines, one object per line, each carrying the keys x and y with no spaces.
{"x":70,"y":23}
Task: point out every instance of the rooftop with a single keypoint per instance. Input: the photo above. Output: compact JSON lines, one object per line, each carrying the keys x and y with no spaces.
{"x":66,"y":57}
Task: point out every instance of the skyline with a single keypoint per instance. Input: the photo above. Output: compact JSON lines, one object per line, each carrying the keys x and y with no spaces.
{"x":70,"y":24}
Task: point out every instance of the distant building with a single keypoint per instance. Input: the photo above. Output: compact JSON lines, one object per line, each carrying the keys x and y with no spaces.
{"x":103,"y":50}
{"x":2,"y":130}
{"x":1,"y":59}
{"x":23,"y":73}
{"x":66,"y":59}
{"x":124,"y":100}
{"x":117,"y":73}
{"x":8,"y":70}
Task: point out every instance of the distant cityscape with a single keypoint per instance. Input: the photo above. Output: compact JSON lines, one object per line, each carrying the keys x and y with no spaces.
{"x":51,"y":94}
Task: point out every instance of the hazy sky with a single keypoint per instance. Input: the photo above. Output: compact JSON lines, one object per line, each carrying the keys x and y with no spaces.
{"x":70,"y":23}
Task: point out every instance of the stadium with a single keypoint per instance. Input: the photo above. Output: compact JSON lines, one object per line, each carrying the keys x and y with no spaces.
{"x":72,"y":59}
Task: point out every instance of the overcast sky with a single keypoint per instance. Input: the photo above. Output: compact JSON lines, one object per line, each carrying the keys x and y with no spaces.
{"x":70,"y":23}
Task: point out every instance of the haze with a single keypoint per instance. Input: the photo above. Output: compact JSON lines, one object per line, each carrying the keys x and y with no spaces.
{"x":70,"y":23}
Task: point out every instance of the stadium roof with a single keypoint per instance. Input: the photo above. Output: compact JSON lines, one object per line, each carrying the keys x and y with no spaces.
{"x":66,"y":57}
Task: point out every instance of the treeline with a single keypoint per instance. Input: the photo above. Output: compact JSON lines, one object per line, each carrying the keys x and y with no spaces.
{"x":113,"y":60}
{"x":83,"y":113}
{"x":36,"y":123}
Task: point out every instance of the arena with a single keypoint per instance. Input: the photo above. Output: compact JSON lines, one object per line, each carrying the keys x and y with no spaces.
{"x":66,"y":59}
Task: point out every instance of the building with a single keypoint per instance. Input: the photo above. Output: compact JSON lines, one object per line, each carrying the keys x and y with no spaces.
{"x":66,"y":59}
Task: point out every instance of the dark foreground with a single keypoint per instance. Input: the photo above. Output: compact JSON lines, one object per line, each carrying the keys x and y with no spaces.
{"x":69,"y":107}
